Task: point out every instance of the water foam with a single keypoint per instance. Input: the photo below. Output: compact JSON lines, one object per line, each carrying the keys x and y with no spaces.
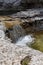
{"x":23,"y":41}
{"x":2,"y":34}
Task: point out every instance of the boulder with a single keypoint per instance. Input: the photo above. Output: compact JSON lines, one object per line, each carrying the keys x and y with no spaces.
{"x":15,"y":55}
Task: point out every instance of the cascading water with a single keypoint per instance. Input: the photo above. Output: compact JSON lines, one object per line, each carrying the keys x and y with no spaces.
{"x":16,"y":33}
{"x":19,"y":37}
{"x":23,"y":41}
{"x":2,"y":29}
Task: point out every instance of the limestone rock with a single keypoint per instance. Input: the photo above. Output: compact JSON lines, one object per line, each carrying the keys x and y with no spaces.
{"x":13,"y":54}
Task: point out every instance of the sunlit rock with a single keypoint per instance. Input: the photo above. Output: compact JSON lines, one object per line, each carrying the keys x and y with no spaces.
{"x":2,"y":34}
{"x":13,"y":54}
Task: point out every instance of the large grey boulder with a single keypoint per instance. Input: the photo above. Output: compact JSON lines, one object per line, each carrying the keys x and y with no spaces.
{"x":13,"y":54}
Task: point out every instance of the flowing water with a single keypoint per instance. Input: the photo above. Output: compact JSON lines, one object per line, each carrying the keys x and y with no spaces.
{"x":19,"y":36}
{"x":23,"y":41}
{"x":38,"y":44}
{"x":16,"y":33}
{"x":2,"y":34}
{"x":33,"y":40}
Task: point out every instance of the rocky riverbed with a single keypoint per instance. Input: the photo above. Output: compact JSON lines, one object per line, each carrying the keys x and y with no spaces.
{"x":21,"y":32}
{"x":18,"y":54}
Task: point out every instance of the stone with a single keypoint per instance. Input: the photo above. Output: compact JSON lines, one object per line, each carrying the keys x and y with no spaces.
{"x":18,"y":5}
{"x":10,"y":24}
{"x":2,"y":34}
{"x":13,"y":54}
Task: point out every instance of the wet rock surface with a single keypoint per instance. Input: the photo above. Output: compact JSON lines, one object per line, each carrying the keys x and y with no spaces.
{"x":17,"y":25}
{"x":16,"y":33}
{"x":31,"y":18}
{"x":28,"y":13}
{"x":12,"y":6}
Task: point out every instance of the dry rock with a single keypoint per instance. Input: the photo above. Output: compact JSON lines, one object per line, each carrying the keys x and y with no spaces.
{"x":13,"y":54}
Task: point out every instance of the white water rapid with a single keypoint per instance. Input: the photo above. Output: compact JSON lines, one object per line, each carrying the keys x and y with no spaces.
{"x":23,"y":41}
